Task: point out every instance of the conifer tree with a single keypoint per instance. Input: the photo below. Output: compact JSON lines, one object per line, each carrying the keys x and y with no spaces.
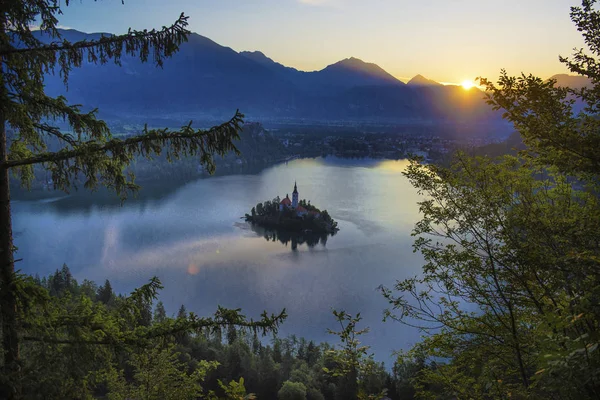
{"x":182,"y":313}
{"x":105,"y":292}
{"x":90,"y":156}
{"x":160,"y":314}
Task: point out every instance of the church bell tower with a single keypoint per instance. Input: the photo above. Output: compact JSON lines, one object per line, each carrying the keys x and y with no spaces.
{"x":295,"y":196}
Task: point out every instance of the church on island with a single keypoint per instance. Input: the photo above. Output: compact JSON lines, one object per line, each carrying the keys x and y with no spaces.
{"x":294,"y":205}
{"x":292,"y":215}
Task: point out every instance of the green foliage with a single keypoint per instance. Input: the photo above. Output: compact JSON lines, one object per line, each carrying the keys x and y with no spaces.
{"x":348,"y":359}
{"x":74,"y":346}
{"x":406,"y":372}
{"x":352,"y":363}
{"x":79,"y":347}
{"x":234,"y":391}
{"x":552,"y":129}
{"x":292,"y":391}
{"x":509,"y":256}
{"x":160,"y":314}
{"x":314,"y":394}
{"x":158,"y":375}
{"x":509,"y":289}
{"x":105,"y":293}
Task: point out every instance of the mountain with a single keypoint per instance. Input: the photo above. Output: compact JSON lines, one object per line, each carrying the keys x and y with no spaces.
{"x":203,"y":78}
{"x":343,"y":75}
{"x":355,"y":72}
{"x":572,"y":81}
{"x":205,"y":81}
{"x":420,"y":80}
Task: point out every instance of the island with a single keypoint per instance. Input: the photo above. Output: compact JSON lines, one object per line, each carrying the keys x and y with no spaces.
{"x":292,"y":215}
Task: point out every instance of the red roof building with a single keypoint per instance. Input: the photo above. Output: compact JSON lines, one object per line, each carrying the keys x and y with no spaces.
{"x":286,"y":201}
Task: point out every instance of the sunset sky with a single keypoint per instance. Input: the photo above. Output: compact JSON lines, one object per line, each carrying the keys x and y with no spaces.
{"x":444,"y":40}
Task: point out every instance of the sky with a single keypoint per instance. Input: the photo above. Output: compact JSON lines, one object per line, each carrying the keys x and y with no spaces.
{"x":445,"y":40}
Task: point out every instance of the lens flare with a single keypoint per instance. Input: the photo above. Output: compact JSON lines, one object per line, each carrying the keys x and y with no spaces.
{"x":193,"y":269}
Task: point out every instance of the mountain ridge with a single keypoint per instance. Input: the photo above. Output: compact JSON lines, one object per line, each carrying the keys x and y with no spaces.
{"x":342,"y":75}
{"x":208,"y":81}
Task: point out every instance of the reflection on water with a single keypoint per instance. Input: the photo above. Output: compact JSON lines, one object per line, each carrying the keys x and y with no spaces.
{"x":192,"y":238}
{"x":294,"y":239}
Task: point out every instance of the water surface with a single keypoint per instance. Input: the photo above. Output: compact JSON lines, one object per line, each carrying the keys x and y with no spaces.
{"x":193,"y":239}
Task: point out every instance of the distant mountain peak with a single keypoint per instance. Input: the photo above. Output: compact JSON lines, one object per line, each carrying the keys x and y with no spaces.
{"x":359,"y":67}
{"x":420,"y":80}
{"x":355,"y":62}
{"x":352,"y":60}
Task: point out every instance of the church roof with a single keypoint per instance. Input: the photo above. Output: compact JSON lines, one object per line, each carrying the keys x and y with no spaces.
{"x":295,"y":188}
{"x":286,"y":201}
{"x":300,"y":209}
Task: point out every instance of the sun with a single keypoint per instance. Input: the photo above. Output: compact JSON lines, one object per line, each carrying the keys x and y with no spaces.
{"x":468,"y":84}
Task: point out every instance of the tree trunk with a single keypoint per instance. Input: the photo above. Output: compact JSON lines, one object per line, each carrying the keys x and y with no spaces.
{"x":11,"y":382}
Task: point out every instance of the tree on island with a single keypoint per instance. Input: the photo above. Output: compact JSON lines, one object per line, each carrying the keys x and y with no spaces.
{"x":270,"y":215}
{"x":90,"y":156}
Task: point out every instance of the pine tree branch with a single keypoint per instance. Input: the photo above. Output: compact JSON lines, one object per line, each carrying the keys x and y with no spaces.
{"x":29,"y":111}
{"x":150,"y":137}
{"x":67,"y":341}
{"x":134,"y":338}
{"x":55,"y":131}
{"x":178,"y":28}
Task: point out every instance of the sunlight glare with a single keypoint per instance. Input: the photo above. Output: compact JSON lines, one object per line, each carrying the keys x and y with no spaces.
{"x":468,"y":84}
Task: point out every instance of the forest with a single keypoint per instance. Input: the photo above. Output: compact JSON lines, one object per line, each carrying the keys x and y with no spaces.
{"x":507,"y":301}
{"x":217,"y":362}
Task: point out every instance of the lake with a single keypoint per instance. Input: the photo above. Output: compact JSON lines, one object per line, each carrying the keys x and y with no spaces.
{"x":193,"y":239}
